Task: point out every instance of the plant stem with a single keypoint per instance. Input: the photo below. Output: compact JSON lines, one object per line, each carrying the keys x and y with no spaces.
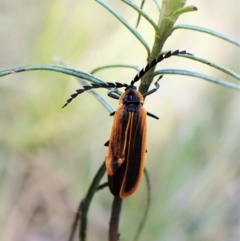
{"x":166,"y":22}
{"x":114,"y":220}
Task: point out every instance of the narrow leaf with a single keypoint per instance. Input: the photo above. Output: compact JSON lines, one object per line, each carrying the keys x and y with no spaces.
{"x":99,"y":97}
{"x":55,"y":68}
{"x":124,"y":22}
{"x":87,"y":201}
{"x":198,"y":75}
{"x":145,"y":214}
{"x":207,"y":62}
{"x":185,"y":9}
{"x":142,"y":13}
{"x":206,"y":30}
{"x":115,"y":66}
{"x":214,"y":65}
{"x":158,"y":4}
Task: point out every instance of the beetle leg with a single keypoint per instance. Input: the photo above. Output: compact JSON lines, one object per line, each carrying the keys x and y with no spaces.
{"x":106,"y":144}
{"x":111,"y":94}
{"x":155,"y":89}
{"x":113,"y":113}
{"x":152,"y":115}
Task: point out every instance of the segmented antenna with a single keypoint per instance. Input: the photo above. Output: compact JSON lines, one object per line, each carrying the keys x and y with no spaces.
{"x":94,"y":86}
{"x":155,"y":62}
{"x":120,"y":85}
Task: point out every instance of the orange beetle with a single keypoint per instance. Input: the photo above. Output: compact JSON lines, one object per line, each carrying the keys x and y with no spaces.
{"x":125,"y":160}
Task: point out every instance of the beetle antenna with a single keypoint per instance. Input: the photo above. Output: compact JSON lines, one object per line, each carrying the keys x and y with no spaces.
{"x":94,"y":86}
{"x":155,"y":62}
{"x":120,"y":85}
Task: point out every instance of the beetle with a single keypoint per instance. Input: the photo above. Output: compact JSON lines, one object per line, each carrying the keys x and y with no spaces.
{"x":125,"y":160}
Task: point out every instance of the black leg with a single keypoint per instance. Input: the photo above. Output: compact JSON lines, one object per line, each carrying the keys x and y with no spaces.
{"x":111,"y":94}
{"x":113,"y":113}
{"x":155,"y":89}
{"x":106,"y":144}
{"x":152,"y":115}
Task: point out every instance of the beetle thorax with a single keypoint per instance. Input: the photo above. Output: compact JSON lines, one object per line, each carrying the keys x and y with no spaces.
{"x":132,"y":99}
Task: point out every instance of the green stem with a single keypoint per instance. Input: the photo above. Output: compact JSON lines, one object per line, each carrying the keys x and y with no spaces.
{"x":166,"y":22}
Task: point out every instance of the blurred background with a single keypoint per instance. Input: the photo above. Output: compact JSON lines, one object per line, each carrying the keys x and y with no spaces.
{"x":49,"y":155}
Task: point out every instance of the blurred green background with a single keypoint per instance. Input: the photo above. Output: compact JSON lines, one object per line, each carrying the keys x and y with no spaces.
{"x":49,"y":155}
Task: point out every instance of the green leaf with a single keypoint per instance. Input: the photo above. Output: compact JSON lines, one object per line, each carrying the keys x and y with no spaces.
{"x":55,"y":68}
{"x":142,"y":13}
{"x":126,"y":24}
{"x":99,"y":97}
{"x":206,"y":30}
{"x":207,"y":62}
{"x":87,"y":201}
{"x":115,"y":66}
{"x":158,"y":4}
{"x":198,"y":75}
{"x":145,"y":214}
{"x":186,"y":9}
